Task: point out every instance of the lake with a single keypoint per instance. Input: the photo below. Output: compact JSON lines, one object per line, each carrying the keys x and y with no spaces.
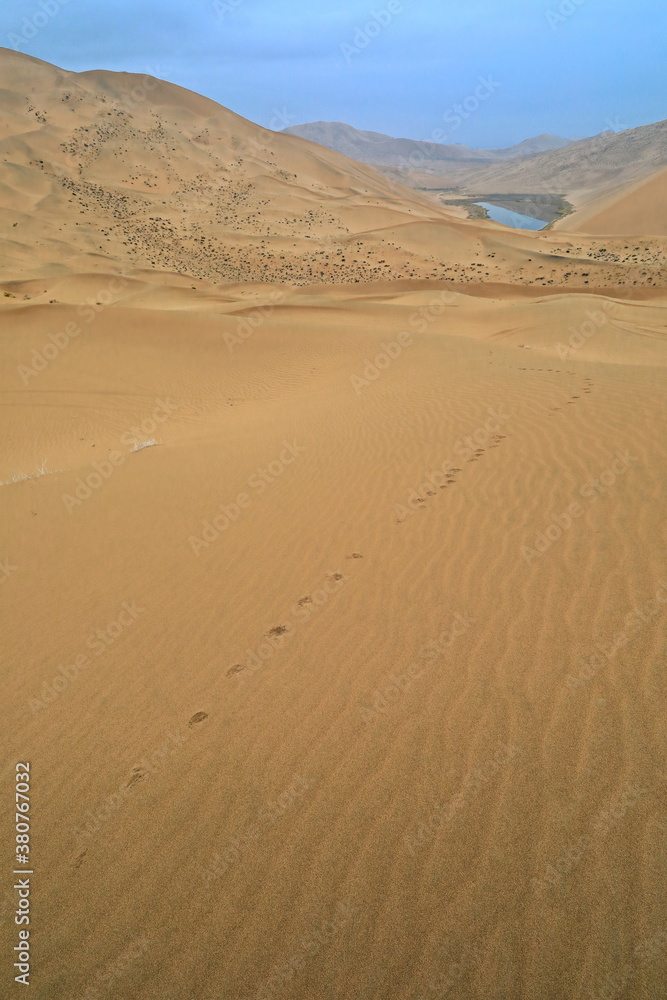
{"x":513,"y":219}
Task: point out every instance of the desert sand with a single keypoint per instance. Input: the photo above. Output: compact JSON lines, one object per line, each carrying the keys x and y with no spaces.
{"x":635,"y":209}
{"x":313,"y":708}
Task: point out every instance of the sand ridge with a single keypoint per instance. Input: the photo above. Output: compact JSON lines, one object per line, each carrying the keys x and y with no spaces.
{"x":130,"y":173}
{"x":334,"y":590}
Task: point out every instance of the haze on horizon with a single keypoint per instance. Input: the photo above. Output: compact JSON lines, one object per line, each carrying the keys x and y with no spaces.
{"x":570,"y":67}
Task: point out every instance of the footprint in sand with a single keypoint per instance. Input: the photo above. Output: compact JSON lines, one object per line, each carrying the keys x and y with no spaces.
{"x":335,"y":577}
{"x":236,"y":669}
{"x":355,"y":555}
{"x":138,"y":774}
{"x":304,"y":600}
{"x":276,"y":630}
{"x":197,"y":718}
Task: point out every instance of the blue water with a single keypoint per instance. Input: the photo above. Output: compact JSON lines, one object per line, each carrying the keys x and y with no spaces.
{"x":513,"y":219}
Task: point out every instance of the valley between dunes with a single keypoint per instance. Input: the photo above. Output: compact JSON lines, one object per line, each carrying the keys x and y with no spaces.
{"x":334,"y":591}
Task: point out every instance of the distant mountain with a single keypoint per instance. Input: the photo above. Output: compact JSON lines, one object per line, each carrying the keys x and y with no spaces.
{"x":582,"y":170}
{"x":384,"y":150}
{"x":543,"y":143}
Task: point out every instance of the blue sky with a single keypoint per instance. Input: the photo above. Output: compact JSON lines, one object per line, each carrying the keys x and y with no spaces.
{"x":571,"y":67}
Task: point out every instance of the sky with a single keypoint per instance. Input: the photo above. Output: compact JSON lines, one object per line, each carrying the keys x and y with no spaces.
{"x":486,"y":73}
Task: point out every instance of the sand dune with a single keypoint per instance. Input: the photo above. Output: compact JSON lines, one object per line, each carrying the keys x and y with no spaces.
{"x":132,"y":173}
{"x":333,"y":587}
{"x":637,"y":209}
